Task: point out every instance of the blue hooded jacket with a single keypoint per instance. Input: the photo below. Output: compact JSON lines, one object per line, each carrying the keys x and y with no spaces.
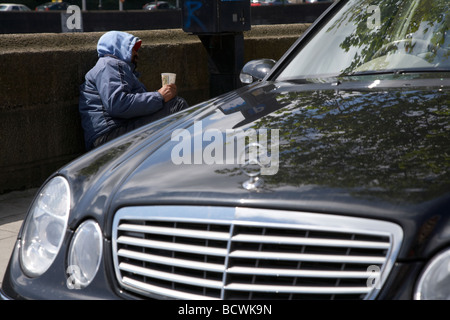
{"x":112,"y":93}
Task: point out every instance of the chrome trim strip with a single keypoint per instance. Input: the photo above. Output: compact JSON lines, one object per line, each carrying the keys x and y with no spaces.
{"x":299,"y":289}
{"x":172,"y":261}
{"x":301,"y":273}
{"x":305,"y":257}
{"x":170,"y":246}
{"x":227,"y":263}
{"x":176,"y":232}
{"x":143,"y":288}
{"x":312,"y":242}
{"x":170,"y":277}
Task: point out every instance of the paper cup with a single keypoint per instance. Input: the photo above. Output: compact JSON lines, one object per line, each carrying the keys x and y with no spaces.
{"x":168,"y":78}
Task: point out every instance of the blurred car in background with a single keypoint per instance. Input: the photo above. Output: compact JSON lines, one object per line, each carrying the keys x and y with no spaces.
{"x":158,"y":5}
{"x":276,"y":2}
{"x":13,"y":7}
{"x":52,"y":6}
{"x":257,"y":3}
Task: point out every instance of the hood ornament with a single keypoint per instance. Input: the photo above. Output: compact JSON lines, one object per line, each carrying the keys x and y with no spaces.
{"x":251,"y":164}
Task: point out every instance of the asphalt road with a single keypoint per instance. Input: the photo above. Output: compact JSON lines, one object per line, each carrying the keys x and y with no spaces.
{"x":13,"y":208}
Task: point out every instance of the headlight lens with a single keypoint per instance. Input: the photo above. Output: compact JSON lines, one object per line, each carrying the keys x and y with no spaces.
{"x":84,"y":254}
{"x":434,"y":283}
{"x":45,"y":227}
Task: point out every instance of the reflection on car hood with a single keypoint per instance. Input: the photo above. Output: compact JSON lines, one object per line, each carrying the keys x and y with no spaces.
{"x":375,"y":147}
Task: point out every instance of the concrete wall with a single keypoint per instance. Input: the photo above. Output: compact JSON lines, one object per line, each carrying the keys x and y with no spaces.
{"x":40,"y":75}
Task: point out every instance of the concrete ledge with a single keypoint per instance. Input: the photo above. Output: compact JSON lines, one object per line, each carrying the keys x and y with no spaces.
{"x":41,"y":73}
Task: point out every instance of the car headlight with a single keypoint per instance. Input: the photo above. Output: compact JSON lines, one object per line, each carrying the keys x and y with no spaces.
{"x":45,"y":227}
{"x":434,"y":282}
{"x":84,"y":254}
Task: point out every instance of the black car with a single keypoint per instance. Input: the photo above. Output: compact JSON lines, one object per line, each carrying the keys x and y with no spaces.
{"x":325,"y":177}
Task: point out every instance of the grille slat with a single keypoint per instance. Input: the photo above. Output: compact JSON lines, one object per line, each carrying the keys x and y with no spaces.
{"x":312,"y":242}
{"x":241,"y":253}
{"x":171,"y":261}
{"x":306,"y":257}
{"x":171,"y":246}
{"x":176,"y":232}
{"x":299,"y":289}
{"x":300,"y":273}
{"x":170,"y":276}
{"x":145,"y":287}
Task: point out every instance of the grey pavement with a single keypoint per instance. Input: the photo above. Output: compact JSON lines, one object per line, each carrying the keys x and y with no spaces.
{"x":13,"y":208}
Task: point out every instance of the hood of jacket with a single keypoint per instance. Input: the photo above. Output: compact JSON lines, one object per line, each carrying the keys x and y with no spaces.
{"x":118,"y":44}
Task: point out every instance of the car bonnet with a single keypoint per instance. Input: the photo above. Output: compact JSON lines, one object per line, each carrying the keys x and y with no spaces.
{"x":384,"y":147}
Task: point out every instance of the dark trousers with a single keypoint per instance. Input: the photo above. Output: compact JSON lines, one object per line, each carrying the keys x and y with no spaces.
{"x":170,"y":107}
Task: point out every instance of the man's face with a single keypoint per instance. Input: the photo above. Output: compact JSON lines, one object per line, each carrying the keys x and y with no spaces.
{"x":134,"y":57}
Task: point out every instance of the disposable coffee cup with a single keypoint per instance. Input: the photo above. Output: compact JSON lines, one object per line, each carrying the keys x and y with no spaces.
{"x":168,"y":78}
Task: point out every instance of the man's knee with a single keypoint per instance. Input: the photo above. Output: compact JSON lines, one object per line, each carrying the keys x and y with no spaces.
{"x":177,"y":104}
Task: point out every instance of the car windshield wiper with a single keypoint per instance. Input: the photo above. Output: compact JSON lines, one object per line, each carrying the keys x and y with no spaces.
{"x":392,"y":71}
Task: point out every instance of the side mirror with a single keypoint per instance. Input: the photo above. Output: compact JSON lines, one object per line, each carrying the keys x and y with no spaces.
{"x":256,"y":70}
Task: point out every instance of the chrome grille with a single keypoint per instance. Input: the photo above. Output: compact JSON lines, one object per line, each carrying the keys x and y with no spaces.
{"x":241,"y":253}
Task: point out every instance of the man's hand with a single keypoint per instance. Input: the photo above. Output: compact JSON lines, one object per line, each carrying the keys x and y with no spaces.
{"x":168,"y":91}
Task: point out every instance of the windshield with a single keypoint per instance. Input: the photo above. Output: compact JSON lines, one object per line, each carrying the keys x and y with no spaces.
{"x":378,"y":36}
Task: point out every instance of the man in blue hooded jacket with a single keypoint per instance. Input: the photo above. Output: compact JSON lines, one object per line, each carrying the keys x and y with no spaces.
{"x":112,"y":99}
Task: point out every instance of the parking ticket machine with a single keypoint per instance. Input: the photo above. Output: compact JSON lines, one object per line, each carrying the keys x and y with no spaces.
{"x":216,"y":16}
{"x":220,"y":24}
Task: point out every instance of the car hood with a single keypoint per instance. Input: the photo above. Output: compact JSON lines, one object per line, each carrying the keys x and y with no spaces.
{"x":378,"y":149}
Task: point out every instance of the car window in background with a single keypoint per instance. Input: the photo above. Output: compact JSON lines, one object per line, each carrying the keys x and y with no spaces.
{"x":367,"y":37}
